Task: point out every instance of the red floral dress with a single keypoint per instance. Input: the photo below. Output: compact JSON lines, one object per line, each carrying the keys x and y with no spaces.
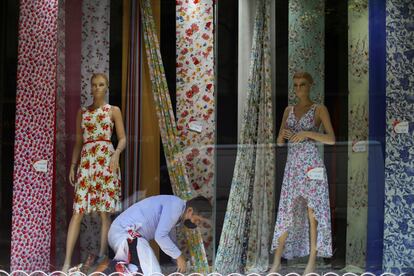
{"x":97,"y":189}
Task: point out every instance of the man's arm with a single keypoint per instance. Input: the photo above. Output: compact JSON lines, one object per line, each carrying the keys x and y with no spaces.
{"x":169,"y":216}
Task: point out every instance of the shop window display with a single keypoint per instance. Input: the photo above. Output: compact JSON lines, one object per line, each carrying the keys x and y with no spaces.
{"x":293,"y":119}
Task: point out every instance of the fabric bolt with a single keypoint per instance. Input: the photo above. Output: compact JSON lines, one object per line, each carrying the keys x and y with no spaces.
{"x":97,"y":188}
{"x":141,"y":178}
{"x":195,"y":97}
{"x":133,"y":106}
{"x":245,"y":238}
{"x":358,"y":84}
{"x":299,"y":192}
{"x":95,"y":44}
{"x":377,"y":134}
{"x":306,"y":44}
{"x":168,"y":128}
{"x":94,"y":58}
{"x":399,"y":152}
{"x":34,"y":136}
{"x":59,"y":234}
{"x":247,"y":10}
{"x":73,"y":38}
{"x":150,"y":142}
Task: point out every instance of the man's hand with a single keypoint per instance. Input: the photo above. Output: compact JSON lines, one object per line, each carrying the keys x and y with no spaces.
{"x":181,"y":264}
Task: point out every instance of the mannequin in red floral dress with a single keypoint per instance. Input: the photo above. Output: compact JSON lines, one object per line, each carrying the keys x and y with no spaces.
{"x":97,"y":181}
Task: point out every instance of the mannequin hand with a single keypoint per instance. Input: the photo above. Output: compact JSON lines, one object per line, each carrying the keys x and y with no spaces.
{"x":298,"y":137}
{"x":114,"y":162}
{"x":72,"y":175}
{"x":286,"y":134}
{"x":181,"y":264}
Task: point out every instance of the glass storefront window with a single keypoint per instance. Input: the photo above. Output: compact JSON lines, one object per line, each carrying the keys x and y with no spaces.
{"x":291,"y":119}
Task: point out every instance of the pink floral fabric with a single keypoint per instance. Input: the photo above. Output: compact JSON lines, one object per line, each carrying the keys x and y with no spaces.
{"x":300,"y":192}
{"x":35,"y":136}
{"x":61,"y":141}
{"x":98,"y":189}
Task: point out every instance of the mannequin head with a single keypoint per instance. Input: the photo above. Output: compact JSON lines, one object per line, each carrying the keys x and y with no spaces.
{"x":99,"y":85}
{"x":302,"y":83}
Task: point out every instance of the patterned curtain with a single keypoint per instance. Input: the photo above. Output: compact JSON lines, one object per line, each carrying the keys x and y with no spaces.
{"x":245,"y":239}
{"x":168,"y":130}
{"x":133,"y":102}
{"x":306,"y":45}
{"x":195,"y":99}
{"x":60,"y":229}
{"x":35,"y":138}
{"x":399,"y":173}
{"x":358,"y":107}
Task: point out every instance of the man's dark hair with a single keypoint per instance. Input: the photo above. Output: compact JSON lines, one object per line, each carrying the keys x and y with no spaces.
{"x":200,"y":205}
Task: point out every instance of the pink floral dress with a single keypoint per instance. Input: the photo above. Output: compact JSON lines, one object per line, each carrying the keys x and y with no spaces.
{"x":97,"y":189}
{"x":301,"y":190}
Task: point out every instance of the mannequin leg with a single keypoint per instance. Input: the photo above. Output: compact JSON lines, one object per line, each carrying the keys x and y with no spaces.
{"x":278,"y":253}
{"x":313,"y":224}
{"x":105,"y":224}
{"x":73,"y":233}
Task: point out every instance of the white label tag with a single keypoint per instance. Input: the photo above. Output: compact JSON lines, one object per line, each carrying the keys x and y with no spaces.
{"x":195,"y":126}
{"x":359,"y":146}
{"x":401,"y":127}
{"x":40,"y":166}
{"x":316,"y":173}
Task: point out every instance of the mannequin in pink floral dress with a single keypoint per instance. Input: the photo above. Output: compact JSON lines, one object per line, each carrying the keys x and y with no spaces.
{"x":97,"y":181}
{"x":303,"y":225}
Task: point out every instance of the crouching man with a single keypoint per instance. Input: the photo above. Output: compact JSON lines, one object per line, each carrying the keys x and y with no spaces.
{"x":154,"y":218}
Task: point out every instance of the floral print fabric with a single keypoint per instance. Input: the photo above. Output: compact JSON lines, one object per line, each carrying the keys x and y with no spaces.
{"x":299,"y":192}
{"x":168,"y":130}
{"x":31,"y":230}
{"x":98,"y":189}
{"x":399,"y":150}
{"x":195,"y":97}
{"x":95,"y":44}
{"x":358,"y":104}
{"x":306,"y":44}
{"x":61,"y":141}
{"x":245,"y":238}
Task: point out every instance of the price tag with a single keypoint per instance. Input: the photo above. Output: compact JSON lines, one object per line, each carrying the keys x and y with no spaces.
{"x":359,"y":146}
{"x":40,"y":166}
{"x":195,"y":126}
{"x":316,"y":173}
{"x":401,"y":127}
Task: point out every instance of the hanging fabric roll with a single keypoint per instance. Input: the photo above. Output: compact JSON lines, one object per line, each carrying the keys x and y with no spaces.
{"x":358,"y":107}
{"x":132,"y":103}
{"x":245,"y":238}
{"x":168,"y":130}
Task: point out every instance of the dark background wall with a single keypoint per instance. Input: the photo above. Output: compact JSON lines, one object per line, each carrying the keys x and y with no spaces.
{"x":336,"y":100}
{"x":226,"y":104}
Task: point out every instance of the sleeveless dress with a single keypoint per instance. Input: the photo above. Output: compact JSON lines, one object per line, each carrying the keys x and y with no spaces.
{"x":97,"y":189}
{"x":300,"y":190}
